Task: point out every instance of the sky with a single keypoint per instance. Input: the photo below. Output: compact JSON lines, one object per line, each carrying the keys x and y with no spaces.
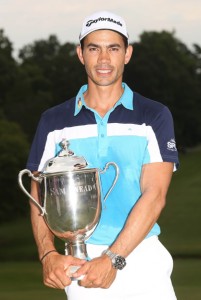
{"x":25,"y":21}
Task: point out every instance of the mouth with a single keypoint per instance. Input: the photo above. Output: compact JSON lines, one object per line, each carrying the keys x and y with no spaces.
{"x":104,"y":71}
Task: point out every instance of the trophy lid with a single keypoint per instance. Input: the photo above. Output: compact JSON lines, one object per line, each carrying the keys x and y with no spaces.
{"x":64,"y":161}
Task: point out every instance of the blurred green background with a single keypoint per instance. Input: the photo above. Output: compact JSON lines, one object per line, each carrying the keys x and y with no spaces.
{"x":46,"y":73}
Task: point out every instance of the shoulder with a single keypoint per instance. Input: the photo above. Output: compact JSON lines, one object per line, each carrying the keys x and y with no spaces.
{"x":68,"y":105}
{"x":57,"y":115}
{"x":149,"y":109}
{"x":147,"y":104}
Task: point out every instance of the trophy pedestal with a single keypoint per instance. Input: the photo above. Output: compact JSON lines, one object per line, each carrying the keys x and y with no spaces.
{"x":76,"y":249}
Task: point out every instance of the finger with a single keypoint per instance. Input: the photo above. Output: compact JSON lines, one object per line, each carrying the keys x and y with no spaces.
{"x":56,"y":284}
{"x":58,"y":280}
{"x":82,"y":271}
{"x":50,"y":284}
{"x":70,"y":270}
{"x":90,"y":285}
{"x":86,"y":284}
{"x":53,"y":284}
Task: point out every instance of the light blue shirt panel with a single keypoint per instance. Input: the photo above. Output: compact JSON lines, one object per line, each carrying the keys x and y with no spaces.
{"x":126,"y":192}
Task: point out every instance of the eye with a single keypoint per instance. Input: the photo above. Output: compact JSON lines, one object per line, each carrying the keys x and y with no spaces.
{"x":114,"y":49}
{"x":93,"y":49}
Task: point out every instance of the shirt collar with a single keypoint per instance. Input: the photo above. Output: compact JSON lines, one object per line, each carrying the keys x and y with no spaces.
{"x":79,"y":101}
{"x":126,"y":99}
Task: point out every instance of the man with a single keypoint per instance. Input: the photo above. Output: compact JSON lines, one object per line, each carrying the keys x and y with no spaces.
{"x":107,"y":121}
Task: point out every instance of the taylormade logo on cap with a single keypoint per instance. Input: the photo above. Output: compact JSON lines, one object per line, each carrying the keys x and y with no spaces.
{"x":103,"y":20}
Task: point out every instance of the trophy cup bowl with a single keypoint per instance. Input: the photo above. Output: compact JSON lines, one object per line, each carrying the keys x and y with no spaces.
{"x":72,"y":203}
{"x":70,"y":197}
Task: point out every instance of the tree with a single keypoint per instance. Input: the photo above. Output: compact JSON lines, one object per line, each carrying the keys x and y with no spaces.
{"x":29,"y":97}
{"x":164,"y":69}
{"x":14,"y":150}
{"x":48,"y":74}
{"x":8,"y":67}
{"x":58,"y":64}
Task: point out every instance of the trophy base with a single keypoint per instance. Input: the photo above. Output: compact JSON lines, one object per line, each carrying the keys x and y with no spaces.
{"x":72,"y":270}
{"x":76,"y":249}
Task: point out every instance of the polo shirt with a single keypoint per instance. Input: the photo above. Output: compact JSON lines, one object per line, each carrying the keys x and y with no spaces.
{"x":136,"y":131}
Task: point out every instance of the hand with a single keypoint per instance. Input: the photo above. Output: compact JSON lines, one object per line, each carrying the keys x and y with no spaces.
{"x":98,"y":272}
{"x":55,"y":269}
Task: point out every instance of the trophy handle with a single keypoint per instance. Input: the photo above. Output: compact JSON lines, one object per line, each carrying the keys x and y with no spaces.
{"x":115,"y":179}
{"x":38,"y":179}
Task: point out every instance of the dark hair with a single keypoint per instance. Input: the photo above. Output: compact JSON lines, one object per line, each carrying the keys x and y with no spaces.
{"x":125,"y":40}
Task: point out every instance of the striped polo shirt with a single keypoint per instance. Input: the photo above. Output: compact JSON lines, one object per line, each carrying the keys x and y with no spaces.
{"x":136,"y":131}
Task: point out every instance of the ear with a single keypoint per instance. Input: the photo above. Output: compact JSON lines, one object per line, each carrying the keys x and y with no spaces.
{"x":79,"y":54}
{"x":128,"y":55}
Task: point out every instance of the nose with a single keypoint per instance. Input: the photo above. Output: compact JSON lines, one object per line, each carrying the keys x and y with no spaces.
{"x":104,"y":56}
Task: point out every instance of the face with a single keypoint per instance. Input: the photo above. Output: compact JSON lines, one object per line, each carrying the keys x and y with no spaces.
{"x":104,"y":56}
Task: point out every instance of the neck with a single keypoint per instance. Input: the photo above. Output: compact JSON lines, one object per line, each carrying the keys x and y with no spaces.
{"x":103,"y":98}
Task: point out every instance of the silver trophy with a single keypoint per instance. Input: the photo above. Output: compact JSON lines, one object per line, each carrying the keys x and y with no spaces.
{"x":70,"y":198}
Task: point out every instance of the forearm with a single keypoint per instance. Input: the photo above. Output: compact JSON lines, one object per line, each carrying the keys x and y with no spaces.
{"x":140,"y":221}
{"x":155,"y":180}
{"x":43,"y":236}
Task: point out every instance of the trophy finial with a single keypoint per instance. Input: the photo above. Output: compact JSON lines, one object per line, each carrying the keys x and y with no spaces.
{"x":65,"y":148}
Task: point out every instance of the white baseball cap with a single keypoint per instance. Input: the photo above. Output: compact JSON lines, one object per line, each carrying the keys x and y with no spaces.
{"x":103,"y":20}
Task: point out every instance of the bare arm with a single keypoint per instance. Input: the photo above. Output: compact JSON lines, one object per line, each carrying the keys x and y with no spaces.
{"x":155,"y":180}
{"x":54,"y":265}
{"x":43,"y":236}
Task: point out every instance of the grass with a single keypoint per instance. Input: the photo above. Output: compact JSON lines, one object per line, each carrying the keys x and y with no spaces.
{"x":186,"y":279}
{"x":181,"y":222}
{"x":21,"y":273}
